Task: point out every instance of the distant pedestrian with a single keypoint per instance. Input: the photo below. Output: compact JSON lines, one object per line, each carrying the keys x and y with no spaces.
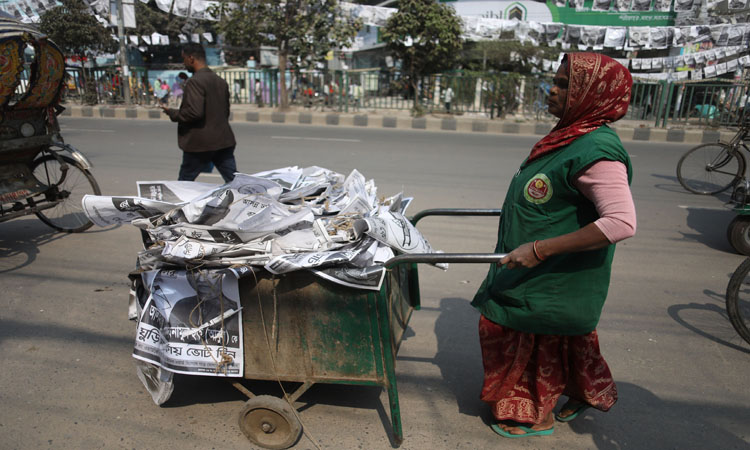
{"x":237,"y":86}
{"x":158,"y":90}
{"x":203,"y":131}
{"x":258,"y":93}
{"x":178,"y":88}
{"x":164,"y":99}
{"x":448,"y":98}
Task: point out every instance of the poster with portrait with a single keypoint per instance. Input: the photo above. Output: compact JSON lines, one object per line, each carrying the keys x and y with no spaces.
{"x":640,"y":5}
{"x":592,"y":37}
{"x":191,"y":322}
{"x":601,"y":5}
{"x":699,"y":33}
{"x":622,"y":5}
{"x":572,"y":35}
{"x":662,"y":5}
{"x":639,"y":36}
{"x":660,"y":37}
{"x":683,"y":5}
{"x":614,"y":37}
{"x":680,"y":36}
{"x":552,"y":33}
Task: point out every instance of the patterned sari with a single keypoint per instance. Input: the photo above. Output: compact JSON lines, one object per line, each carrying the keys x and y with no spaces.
{"x":525,"y":373}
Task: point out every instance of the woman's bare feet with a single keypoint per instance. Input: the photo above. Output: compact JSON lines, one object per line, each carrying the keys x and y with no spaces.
{"x":570,"y":410}
{"x":546,"y":424}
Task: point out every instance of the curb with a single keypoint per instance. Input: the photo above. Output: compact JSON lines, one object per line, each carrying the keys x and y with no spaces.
{"x":364,"y":120}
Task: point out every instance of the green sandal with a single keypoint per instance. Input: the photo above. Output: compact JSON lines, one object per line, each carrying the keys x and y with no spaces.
{"x":576,"y":412}
{"x":527,"y":432}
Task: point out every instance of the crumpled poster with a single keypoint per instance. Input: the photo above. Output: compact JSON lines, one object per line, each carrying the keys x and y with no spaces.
{"x":282,"y":220}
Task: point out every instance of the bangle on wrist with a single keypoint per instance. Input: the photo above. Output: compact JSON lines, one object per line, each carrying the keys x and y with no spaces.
{"x":536,"y":252}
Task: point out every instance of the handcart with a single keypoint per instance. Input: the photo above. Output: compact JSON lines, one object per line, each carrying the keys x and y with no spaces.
{"x":299,"y":328}
{"x":39,"y":173}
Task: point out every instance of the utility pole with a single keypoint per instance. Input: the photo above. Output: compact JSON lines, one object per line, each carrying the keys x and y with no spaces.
{"x":125,"y":70}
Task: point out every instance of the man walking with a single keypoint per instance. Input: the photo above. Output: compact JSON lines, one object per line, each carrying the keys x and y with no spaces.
{"x":203,"y":131}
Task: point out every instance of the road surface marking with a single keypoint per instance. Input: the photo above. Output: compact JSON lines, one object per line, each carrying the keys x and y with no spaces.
{"x":710,"y":208}
{"x":87,"y":129}
{"x":300,"y":138}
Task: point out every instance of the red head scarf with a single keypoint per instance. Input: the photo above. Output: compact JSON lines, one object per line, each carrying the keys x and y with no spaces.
{"x":598,"y":93}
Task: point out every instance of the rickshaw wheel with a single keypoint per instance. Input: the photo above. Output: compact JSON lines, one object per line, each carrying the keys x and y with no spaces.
{"x":270,"y":422}
{"x":68,"y":188}
{"x":738,"y":233}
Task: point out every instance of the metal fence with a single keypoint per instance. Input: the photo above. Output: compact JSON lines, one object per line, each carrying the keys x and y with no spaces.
{"x":712,"y":104}
{"x":662,"y":103}
{"x":350,"y":91}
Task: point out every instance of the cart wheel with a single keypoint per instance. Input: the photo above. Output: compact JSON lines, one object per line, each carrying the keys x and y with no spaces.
{"x":270,"y":422}
{"x":739,"y":234}
{"x":158,"y":382}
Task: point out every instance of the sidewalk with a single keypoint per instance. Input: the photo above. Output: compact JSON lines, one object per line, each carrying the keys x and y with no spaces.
{"x":628,"y":130}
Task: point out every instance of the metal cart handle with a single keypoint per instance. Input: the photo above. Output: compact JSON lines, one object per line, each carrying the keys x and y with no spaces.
{"x":432,"y":258}
{"x":455,"y":212}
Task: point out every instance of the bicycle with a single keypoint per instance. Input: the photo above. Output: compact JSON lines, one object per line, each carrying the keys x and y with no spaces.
{"x":738,"y":300}
{"x":712,"y":168}
{"x":541,"y":110}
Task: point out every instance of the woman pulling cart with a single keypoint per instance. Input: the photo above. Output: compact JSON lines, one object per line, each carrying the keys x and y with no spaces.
{"x":566,"y":207}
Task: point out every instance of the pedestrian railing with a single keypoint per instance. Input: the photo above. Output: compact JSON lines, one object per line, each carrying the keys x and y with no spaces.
{"x":702,"y":103}
{"x":716,"y":103}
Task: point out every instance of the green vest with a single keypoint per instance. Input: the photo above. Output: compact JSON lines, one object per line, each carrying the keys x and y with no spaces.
{"x":564,"y":294}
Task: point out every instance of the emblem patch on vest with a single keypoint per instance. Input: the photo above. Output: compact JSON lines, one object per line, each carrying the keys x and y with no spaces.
{"x":538,"y":190}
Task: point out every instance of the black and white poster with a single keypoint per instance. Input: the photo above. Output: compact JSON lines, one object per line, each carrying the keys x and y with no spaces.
{"x":191,"y":322}
{"x":683,"y":5}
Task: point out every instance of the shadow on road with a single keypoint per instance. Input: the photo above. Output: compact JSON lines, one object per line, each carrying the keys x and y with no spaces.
{"x":458,"y":354}
{"x":710,"y":226}
{"x":671,"y":184}
{"x":715,"y":326}
{"x":20,"y":240}
{"x":641,"y":419}
{"x":18,"y":330}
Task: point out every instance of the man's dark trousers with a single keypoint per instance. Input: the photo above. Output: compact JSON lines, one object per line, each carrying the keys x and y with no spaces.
{"x":194,"y":162}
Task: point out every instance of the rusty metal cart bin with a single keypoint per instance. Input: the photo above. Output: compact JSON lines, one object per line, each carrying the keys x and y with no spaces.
{"x":302,"y":328}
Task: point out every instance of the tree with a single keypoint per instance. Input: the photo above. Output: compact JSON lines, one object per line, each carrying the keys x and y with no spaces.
{"x":425,"y":35}
{"x":73,"y":27}
{"x":301,"y":29}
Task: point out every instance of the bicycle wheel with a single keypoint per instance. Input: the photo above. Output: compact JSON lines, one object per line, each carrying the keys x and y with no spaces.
{"x":710,"y":168}
{"x":67,"y":189}
{"x":738,"y":300}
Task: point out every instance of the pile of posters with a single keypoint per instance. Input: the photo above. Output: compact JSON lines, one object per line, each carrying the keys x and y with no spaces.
{"x":282,"y":220}
{"x":200,"y":238}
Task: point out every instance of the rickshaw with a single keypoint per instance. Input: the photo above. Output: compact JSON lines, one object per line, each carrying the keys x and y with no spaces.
{"x":39,"y":173}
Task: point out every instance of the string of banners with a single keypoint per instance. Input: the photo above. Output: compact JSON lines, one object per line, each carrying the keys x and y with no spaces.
{"x":163,"y":39}
{"x":582,"y":36}
{"x":595,"y":37}
{"x":681,"y":67}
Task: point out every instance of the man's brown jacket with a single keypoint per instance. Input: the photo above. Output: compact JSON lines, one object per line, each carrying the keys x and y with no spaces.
{"x":203,"y":117}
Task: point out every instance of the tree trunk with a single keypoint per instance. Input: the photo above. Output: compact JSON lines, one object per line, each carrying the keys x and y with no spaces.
{"x":284,"y":104}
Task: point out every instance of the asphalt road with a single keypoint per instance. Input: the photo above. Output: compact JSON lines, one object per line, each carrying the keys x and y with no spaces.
{"x":68,"y":380}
